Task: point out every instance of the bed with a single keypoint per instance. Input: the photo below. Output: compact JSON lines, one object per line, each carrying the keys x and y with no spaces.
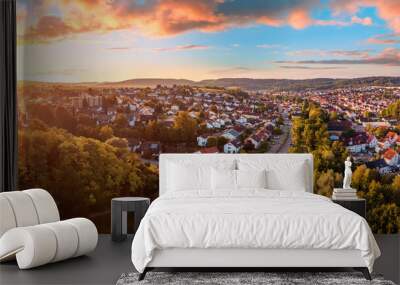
{"x":249,"y":210}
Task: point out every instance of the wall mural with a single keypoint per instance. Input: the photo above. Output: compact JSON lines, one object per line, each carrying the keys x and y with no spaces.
{"x":106,"y":85}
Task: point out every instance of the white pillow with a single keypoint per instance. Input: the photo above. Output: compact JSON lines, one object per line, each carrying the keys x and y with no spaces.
{"x":183,"y":178}
{"x":223,"y":179}
{"x":281,"y":174}
{"x":251,"y":178}
{"x":193,"y":174}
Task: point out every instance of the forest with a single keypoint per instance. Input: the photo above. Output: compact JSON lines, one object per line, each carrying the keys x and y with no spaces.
{"x":81,"y":173}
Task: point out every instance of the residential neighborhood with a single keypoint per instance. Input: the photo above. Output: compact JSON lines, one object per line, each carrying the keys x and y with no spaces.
{"x":231,"y":120}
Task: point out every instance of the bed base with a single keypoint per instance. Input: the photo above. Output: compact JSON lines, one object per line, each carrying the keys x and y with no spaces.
{"x":363,"y":270}
{"x":250,"y":259}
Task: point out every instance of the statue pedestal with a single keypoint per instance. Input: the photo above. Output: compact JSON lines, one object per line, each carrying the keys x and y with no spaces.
{"x":344,"y":194}
{"x":344,"y":190}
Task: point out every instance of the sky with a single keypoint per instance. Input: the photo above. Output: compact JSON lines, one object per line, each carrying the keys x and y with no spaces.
{"x":114,"y":40}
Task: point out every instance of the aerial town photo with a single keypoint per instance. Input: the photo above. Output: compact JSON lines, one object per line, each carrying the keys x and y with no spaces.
{"x":101,"y":95}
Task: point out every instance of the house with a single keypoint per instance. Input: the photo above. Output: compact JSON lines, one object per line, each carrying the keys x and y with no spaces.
{"x":213,"y":125}
{"x":231,"y":134}
{"x":150,"y":149}
{"x":202,"y":141}
{"x":254,"y":140}
{"x":111,"y":111}
{"x":102,"y":119}
{"x":258,"y":138}
{"x":357,"y":143}
{"x":372,"y":141}
{"x":382,"y":145}
{"x":242,"y":120}
{"x":391,"y":137}
{"x":206,"y":150}
{"x":134,"y":144}
{"x":232,"y":146}
{"x":174,"y":108}
{"x":376,"y":124}
{"x":337,"y":128}
{"x":391,"y":157}
{"x":239,"y":129}
{"x":145,"y":118}
{"x":376,"y":164}
{"x":132,"y":121}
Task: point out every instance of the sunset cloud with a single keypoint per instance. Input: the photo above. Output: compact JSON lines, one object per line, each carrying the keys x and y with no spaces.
{"x":388,"y":10}
{"x":119,"y":48}
{"x":183,"y":48}
{"x":172,"y":17}
{"x":367,"y":21}
{"x":336,"y":53}
{"x":385,"y":39}
{"x":389,"y":56}
{"x":299,"y":19}
{"x":310,"y":67}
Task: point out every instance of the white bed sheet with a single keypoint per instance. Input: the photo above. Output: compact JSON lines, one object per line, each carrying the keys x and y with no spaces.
{"x":250,"y":218}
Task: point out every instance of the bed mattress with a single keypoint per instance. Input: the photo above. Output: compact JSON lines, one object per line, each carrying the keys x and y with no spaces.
{"x":250,"y":219}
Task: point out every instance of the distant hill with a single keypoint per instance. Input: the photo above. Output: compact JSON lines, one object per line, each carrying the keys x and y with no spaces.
{"x":251,"y":84}
{"x":152,"y":82}
{"x":274,"y":84}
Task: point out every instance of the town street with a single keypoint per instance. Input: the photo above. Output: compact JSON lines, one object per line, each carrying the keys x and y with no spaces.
{"x":281,"y":145}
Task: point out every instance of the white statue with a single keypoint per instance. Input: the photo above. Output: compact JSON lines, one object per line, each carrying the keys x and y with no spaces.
{"x":347,"y":174}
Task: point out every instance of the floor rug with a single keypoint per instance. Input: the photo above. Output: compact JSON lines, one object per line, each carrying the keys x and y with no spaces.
{"x":244,"y":278}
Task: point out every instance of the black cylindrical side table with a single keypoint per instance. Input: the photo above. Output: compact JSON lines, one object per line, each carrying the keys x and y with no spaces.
{"x":119,"y":208}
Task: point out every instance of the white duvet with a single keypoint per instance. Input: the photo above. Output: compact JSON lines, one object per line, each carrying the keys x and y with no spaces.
{"x":250,"y":219}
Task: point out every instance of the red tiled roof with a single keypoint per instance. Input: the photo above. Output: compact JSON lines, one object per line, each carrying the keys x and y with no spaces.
{"x":389,"y":154}
{"x":212,"y":149}
{"x":236,"y":143}
{"x":391,"y":135}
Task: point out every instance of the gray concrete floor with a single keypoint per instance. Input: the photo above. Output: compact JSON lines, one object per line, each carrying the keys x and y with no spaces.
{"x":103,"y":266}
{"x":110,"y":259}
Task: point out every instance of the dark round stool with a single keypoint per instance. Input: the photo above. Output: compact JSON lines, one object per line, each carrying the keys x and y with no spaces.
{"x":119,"y":208}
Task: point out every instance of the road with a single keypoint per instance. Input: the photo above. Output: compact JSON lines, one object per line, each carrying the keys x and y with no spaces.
{"x":284,"y":148}
{"x":283,"y":143}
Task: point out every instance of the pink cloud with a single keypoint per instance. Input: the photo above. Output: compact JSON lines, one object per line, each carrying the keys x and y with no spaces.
{"x":388,"y":56}
{"x":388,"y":10}
{"x":183,"y":48}
{"x":299,"y":19}
{"x":319,"y":52}
{"x":367,"y":21}
{"x":385,"y":39}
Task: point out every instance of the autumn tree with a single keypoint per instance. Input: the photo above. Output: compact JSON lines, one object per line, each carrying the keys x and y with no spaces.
{"x":121,"y":121}
{"x":105,"y":133}
{"x":186,"y":127}
{"x":64,"y":119}
{"x":81,"y":169}
{"x":118,"y":142}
